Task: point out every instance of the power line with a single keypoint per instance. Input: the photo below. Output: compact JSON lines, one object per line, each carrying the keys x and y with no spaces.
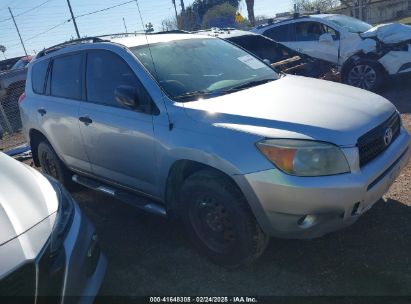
{"x":33,"y":8}
{"x":46,"y":31}
{"x":104,"y":9}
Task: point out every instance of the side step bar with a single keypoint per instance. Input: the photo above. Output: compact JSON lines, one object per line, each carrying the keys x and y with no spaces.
{"x":127,"y":197}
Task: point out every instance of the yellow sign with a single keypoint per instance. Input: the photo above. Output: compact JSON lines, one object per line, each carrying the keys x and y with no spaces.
{"x":239,"y":18}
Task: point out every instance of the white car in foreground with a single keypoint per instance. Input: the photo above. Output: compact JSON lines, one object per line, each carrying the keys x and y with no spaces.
{"x":366,"y":54}
{"x":47,"y":247}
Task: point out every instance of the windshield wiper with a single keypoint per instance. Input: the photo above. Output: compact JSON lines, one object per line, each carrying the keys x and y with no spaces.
{"x":193,"y":94}
{"x":250,"y":84}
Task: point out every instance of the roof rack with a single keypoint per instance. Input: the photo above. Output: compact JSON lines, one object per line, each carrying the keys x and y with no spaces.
{"x":67,"y":43}
{"x":99,"y":38}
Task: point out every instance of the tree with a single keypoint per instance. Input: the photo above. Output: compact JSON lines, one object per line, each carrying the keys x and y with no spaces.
{"x":149,"y":28}
{"x":3,"y":50}
{"x":169,"y":24}
{"x":250,"y":11}
{"x":316,"y":5}
{"x":222,"y":15}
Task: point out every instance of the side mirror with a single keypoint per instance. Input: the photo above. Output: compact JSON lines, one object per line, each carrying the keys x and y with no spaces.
{"x":126,"y":96}
{"x":326,"y":38}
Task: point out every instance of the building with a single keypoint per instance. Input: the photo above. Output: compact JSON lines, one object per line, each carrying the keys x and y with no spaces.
{"x":375,"y":11}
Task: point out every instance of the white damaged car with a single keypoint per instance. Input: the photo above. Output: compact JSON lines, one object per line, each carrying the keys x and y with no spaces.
{"x":365,"y":54}
{"x":47,"y":246}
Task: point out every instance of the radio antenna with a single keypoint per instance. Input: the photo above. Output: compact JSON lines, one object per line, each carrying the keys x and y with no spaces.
{"x":170,"y":124}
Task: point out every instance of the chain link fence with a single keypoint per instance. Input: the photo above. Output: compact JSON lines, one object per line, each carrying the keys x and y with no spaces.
{"x":11,"y":87}
{"x":10,"y":92}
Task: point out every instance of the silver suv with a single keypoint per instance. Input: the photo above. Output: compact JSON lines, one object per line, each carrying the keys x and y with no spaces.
{"x":193,"y":126}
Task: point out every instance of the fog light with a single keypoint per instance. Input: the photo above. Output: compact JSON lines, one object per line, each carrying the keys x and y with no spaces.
{"x":307,"y":221}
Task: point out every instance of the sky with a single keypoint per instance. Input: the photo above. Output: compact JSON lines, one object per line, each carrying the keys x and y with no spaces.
{"x":43,"y":23}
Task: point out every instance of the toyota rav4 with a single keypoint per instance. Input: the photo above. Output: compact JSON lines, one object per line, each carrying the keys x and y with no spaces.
{"x":193,"y":126}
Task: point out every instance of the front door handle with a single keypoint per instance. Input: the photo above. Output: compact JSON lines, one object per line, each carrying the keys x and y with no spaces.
{"x":86,"y":120}
{"x":42,"y":111}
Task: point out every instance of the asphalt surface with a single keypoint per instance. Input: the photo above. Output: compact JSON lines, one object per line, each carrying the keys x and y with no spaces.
{"x":149,"y":255}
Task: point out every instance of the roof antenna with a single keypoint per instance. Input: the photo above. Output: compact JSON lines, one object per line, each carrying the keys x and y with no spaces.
{"x":170,"y":124}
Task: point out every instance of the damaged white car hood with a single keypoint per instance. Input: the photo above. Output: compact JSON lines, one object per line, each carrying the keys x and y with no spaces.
{"x":389,"y":33}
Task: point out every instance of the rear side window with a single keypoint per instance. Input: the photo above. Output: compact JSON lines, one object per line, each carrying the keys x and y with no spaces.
{"x":105,"y":72}
{"x":262,"y":47}
{"x":281,"y":33}
{"x":38,"y":76}
{"x":66,"y":76}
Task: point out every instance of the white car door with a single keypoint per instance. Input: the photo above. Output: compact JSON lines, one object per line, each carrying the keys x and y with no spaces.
{"x":315,"y":39}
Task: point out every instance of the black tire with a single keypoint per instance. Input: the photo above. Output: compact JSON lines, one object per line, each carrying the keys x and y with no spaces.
{"x":364,"y":74}
{"x":52,"y":165}
{"x":219,"y":220}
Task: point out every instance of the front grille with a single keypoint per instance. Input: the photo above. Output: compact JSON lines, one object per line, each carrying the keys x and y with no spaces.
{"x":372,"y":143}
{"x":21,"y":282}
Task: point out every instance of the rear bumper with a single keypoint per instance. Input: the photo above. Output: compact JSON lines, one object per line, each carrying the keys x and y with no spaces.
{"x":308,"y":207}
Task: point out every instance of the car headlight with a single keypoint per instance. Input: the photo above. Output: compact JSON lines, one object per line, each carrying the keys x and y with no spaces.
{"x":304,"y":157}
{"x":64,"y":216}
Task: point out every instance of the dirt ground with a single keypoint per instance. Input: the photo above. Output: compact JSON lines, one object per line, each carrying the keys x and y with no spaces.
{"x":149,"y":255}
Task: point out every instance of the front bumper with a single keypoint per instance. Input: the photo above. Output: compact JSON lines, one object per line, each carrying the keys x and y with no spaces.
{"x":85,"y":265}
{"x":308,"y":207}
{"x":72,"y":274}
{"x":396,"y":62}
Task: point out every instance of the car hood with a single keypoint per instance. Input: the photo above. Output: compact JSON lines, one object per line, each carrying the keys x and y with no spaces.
{"x":26,"y":199}
{"x":389,"y":33}
{"x":296,"y":107}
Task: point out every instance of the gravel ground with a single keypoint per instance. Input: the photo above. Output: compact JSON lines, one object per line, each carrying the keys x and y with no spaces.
{"x":11,"y":140}
{"x":149,"y":255}
{"x":400,"y":94}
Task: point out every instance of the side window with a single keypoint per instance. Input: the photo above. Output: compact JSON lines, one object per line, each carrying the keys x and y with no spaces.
{"x":262,"y":47}
{"x":281,"y":33}
{"x":333,"y":32}
{"x":38,"y":76}
{"x":66,"y":76}
{"x":105,"y":72}
{"x":308,"y":31}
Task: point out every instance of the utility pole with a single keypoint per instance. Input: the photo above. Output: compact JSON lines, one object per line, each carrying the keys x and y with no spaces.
{"x":175,"y":9}
{"x":18,"y":32}
{"x":74,"y":19}
{"x":125,"y":26}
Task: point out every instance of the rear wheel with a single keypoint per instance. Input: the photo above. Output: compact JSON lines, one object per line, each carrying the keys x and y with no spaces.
{"x":220,"y":221}
{"x":52,"y":165}
{"x":364,"y":74}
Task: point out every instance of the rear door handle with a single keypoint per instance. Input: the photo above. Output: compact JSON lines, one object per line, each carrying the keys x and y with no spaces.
{"x":42,"y":111}
{"x":86,"y":120}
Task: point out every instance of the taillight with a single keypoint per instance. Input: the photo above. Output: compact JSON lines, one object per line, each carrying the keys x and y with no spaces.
{"x":22,"y":96}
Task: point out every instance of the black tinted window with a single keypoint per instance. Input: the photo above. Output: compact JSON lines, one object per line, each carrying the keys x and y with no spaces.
{"x":263,"y":47}
{"x":38,"y":76}
{"x":105,"y":72}
{"x":281,"y":33}
{"x":66,"y":76}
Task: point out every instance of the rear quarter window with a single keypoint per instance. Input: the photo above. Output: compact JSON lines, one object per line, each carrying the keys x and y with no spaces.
{"x":38,"y":76}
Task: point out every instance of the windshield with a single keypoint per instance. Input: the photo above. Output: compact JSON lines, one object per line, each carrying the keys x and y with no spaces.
{"x":202,"y":67}
{"x":351,"y":24}
{"x":21,"y":63}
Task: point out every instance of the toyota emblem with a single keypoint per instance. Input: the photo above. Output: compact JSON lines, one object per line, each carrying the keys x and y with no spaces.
{"x":388,"y":136}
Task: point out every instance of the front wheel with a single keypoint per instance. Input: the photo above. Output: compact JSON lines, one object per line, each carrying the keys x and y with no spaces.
{"x":364,"y":74}
{"x":52,"y":165}
{"x":220,"y":221}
